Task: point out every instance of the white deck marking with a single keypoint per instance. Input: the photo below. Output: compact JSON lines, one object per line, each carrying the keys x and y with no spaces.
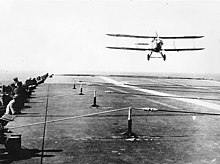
{"x":213,"y":81}
{"x":192,"y":101}
{"x":116,"y":89}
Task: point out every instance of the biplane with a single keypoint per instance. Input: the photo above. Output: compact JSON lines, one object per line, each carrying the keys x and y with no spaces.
{"x":157,"y":44}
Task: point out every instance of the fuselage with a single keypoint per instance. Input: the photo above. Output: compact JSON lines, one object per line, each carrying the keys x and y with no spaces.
{"x":157,"y":44}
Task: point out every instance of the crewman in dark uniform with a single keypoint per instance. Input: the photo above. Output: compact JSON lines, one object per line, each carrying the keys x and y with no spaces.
{"x":21,"y":93}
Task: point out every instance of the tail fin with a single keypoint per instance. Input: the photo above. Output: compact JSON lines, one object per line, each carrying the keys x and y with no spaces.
{"x":157,"y":35}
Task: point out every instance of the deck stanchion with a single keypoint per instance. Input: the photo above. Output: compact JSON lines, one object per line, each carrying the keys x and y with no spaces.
{"x":129,"y":122}
{"x":74,"y":85}
{"x":94,"y":101}
{"x":81,"y":90}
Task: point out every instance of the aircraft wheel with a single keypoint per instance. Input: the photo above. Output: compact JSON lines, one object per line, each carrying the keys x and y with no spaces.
{"x":164,"y":57}
{"x":148,"y":57}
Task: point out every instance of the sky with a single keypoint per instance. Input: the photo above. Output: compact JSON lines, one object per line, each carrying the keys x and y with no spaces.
{"x":70,"y":36}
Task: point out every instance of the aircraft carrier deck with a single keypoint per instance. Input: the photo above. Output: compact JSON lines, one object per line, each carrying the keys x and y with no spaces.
{"x":59,"y":125}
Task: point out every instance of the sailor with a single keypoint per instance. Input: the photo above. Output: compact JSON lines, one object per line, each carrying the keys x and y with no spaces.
{"x":2,"y":140}
{"x":13,"y":107}
{"x":19,"y":90}
{"x":15,"y":80}
{"x":6,"y":98}
{"x":14,"y":84}
{"x":22,"y":94}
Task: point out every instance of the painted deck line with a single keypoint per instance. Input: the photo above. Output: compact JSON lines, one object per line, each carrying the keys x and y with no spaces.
{"x":192,"y":101}
{"x":214,"y":81}
{"x":201,"y":87}
{"x":117,"y":90}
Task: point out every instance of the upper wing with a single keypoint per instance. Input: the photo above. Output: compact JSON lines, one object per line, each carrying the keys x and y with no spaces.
{"x":162,"y":37}
{"x":183,"y":49}
{"x":128,"y":48}
{"x":130,"y":36}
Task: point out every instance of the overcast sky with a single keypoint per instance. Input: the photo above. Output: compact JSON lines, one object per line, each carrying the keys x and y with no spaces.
{"x":70,"y":36}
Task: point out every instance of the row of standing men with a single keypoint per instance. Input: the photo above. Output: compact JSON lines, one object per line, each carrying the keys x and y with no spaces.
{"x":15,"y":95}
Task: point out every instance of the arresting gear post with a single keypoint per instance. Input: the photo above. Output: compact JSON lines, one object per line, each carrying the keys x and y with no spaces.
{"x":129,"y":121}
{"x":129,"y":133}
{"x":74,"y":86}
{"x":81,"y":90}
{"x":94,"y":101}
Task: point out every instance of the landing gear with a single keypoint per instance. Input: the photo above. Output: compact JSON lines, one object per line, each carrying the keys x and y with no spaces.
{"x":164,"y":57}
{"x":148,"y":57}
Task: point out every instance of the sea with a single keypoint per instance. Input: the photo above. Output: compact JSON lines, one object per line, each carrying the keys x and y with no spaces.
{"x":6,"y":77}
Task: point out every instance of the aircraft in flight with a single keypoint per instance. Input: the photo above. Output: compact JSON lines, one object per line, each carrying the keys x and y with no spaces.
{"x":157,"y":44}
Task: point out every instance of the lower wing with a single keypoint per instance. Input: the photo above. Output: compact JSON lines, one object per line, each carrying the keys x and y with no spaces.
{"x":128,"y":48}
{"x":151,"y":49}
{"x":183,"y":49}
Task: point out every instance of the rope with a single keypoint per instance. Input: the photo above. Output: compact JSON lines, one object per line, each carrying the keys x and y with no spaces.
{"x":69,"y":118}
{"x":176,"y":111}
{"x":43,"y":97}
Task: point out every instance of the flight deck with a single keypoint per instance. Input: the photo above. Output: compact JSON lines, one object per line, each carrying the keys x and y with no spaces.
{"x":84,"y":119}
